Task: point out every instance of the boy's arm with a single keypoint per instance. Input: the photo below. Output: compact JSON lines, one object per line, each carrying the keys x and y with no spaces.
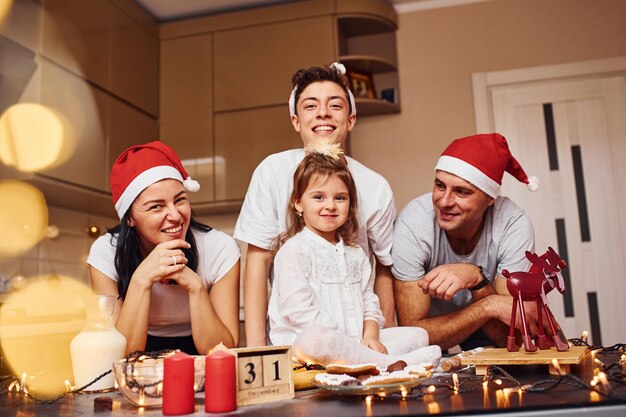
{"x":255,"y":279}
{"x":383,"y":287}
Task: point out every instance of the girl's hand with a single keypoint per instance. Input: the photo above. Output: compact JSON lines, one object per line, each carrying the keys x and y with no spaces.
{"x":374,"y":344}
{"x":166,"y":258}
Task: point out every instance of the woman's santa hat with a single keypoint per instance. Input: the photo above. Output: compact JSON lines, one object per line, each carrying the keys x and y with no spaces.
{"x":482,"y":160}
{"x":140,"y":166}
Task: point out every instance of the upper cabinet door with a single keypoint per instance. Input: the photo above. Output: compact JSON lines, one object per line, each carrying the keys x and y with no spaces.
{"x":134,"y":63}
{"x":76,"y":36}
{"x":242,"y":140}
{"x":81,"y":111}
{"x":186,"y":107}
{"x":254,"y":65}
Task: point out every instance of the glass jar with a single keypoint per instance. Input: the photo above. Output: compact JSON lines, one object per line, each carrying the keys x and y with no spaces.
{"x":97,"y":346}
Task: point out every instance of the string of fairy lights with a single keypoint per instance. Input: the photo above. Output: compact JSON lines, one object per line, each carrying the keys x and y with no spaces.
{"x":604,"y":375}
{"x":10,"y":383}
{"x":607,"y":376}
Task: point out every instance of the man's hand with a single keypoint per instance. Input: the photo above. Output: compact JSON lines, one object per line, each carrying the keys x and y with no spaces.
{"x":503,"y":304}
{"x":446,"y":280}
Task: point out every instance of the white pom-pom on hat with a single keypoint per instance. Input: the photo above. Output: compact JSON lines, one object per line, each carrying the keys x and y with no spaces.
{"x":191,"y":185}
{"x":339,"y":66}
{"x":533,"y":183}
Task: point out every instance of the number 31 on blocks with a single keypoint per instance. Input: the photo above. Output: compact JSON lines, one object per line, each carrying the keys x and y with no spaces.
{"x":263,"y":374}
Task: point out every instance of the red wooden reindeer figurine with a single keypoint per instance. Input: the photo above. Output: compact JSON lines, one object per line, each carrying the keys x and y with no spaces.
{"x":543,"y":276}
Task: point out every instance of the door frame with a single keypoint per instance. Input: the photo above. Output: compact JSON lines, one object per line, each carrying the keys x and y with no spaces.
{"x":483,"y":82}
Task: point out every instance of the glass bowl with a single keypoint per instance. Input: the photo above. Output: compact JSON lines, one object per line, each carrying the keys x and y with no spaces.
{"x":141,"y":381}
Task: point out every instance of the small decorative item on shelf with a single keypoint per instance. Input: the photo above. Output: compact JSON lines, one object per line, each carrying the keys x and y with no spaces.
{"x":389,"y":94}
{"x":362,"y":84}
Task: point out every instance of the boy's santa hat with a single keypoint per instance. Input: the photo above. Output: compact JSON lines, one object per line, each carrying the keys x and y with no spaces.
{"x":482,"y":160}
{"x":140,"y":166}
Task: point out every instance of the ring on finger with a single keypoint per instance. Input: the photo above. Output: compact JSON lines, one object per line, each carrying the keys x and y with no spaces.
{"x":173,"y":260}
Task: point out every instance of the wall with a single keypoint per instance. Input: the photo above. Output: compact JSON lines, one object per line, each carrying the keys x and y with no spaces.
{"x":66,"y":254}
{"x":439,"y":49}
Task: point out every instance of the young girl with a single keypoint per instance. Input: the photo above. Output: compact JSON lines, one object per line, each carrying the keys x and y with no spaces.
{"x":322,"y":299}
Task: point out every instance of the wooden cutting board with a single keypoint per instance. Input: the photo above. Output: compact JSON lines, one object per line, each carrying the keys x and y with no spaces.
{"x":501,"y":356}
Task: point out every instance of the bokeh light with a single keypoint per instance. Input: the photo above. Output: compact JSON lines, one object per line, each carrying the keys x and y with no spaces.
{"x":5,"y":6}
{"x":23,"y":217}
{"x":33,"y":137}
{"x":37,"y":324}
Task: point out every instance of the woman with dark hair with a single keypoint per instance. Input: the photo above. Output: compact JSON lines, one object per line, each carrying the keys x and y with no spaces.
{"x":175,"y":279}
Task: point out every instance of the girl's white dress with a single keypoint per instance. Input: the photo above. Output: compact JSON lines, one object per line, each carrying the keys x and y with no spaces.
{"x":316,"y":282}
{"x":321,"y":295}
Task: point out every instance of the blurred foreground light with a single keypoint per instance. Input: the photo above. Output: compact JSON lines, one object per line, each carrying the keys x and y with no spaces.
{"x":33,"y":137}
{"x":23,"y":217}
{"x":5,"y":6}
{"x":37,"y":324}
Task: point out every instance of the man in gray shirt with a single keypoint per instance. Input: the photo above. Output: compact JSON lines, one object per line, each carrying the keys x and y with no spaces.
{"x":450,"y":247}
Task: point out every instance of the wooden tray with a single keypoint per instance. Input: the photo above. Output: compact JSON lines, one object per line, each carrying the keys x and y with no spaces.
{"x":501,"y":356}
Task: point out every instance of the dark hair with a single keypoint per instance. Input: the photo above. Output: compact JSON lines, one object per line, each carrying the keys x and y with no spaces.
{"x":319,"y":166}
{"x":304,"y":77}
{"x":128,"y":252}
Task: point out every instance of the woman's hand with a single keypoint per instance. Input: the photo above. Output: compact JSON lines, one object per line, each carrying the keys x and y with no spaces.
{"x":165,"y":260}
{"x":187,"y":279}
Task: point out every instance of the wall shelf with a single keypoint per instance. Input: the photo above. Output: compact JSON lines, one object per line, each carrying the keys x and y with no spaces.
{"x":373,"y":106}
{"x":367,"y":63}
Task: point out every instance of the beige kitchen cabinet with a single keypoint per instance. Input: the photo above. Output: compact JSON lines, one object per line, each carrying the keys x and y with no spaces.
{"x":254,"y":65}
{"x":83,"y":111}
{"x":186,"y":107}
{"x":127,"y":126}
{"x":76,"y":36}
{"x":100,"y":42}
{"x":134,"y":63}
{"x":243,"y":139}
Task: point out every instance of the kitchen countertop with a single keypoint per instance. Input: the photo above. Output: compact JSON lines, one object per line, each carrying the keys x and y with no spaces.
{"x":563,"y":400}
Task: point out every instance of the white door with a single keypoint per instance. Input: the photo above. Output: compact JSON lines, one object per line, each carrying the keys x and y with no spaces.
{"x":572,"y":135}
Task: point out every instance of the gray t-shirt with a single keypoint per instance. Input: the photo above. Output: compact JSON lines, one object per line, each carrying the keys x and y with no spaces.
{"x":419,"y":245}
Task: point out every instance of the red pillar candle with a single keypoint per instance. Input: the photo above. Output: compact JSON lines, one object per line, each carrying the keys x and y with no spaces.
{"x":178,"y":379}
{"x":220,"y":381}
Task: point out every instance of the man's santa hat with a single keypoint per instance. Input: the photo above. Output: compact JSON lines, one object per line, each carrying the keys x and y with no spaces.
{"x":140,"y":166}
{"x":482,"y":160}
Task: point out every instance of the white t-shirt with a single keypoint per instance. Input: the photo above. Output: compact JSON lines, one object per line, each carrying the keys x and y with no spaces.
{"x":316,"y":282}
{"x":169,"y":304}
{"x":263,"y":215}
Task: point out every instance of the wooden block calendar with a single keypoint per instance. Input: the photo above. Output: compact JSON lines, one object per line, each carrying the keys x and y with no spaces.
{"x":263,"y":374}
{"x":501,"y":356}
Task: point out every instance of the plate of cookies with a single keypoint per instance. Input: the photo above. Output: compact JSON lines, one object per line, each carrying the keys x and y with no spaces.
{"x":365,"y":379}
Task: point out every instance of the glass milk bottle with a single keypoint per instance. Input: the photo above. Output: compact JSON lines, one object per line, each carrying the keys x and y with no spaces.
{"x":97,"y":346}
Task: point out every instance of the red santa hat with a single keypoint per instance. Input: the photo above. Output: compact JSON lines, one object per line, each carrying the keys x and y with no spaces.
{"x":482,"y":160}
{"x":140,"y":166}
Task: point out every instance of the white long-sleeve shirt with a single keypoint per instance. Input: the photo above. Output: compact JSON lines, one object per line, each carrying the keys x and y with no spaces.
{"x":316,"y":282}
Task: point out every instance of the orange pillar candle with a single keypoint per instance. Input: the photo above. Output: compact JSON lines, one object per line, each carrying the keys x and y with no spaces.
{"x":220,"y":381}
{"x":178,"y":379}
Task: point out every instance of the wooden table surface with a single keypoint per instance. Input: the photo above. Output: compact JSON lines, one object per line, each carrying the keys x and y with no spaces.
{"x":563,"y":400}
